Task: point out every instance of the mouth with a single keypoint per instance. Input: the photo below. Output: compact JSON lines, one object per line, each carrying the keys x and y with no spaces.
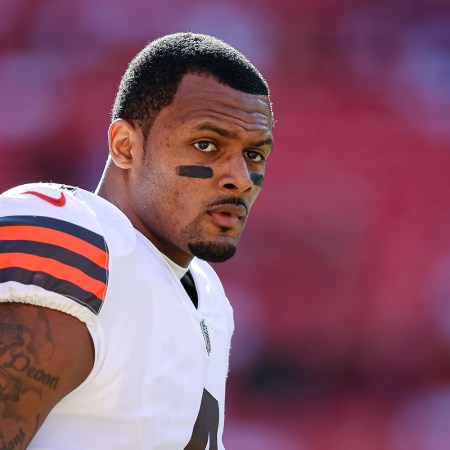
{"x":228,"y":213}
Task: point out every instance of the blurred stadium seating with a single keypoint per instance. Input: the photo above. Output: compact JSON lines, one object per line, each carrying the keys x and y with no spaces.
{"x":341,"y":285}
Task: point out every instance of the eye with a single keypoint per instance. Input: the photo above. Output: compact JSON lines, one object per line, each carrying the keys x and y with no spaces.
{"x":205,"y":146}
{"x":255,"y":156}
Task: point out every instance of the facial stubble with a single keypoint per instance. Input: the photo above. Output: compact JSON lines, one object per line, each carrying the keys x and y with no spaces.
{"x":211,"y":251}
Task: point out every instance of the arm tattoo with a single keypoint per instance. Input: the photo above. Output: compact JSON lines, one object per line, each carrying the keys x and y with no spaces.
{"x":10,"y":336}
{"x":13,"y":357}
{"x":26,"y":346}
{"x":17,"y":442}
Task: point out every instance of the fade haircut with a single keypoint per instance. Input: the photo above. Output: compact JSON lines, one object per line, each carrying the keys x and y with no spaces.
{"x":153,"y":76}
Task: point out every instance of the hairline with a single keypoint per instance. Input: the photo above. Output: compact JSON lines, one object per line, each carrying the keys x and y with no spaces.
{"x":146,"y":128}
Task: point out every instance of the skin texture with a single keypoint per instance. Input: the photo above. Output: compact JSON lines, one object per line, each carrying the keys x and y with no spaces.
{"x":207,"y":124}
{"x":45,"y":354}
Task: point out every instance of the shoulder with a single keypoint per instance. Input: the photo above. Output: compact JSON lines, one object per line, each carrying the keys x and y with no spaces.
{"x":57,"y":203}
{"x":54,"y":247}
{"x":68,"y":209}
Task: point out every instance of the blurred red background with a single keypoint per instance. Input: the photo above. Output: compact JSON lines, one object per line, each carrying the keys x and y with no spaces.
{"x":341,"y":284}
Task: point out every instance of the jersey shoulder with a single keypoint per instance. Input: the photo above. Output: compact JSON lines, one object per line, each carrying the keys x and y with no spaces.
{"x":54,"y":245}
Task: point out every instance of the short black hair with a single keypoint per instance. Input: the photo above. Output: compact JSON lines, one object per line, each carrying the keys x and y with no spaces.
{"x":154,"y":74}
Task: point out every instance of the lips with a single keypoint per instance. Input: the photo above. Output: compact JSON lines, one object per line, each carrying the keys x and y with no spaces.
{"x":228,"y":215}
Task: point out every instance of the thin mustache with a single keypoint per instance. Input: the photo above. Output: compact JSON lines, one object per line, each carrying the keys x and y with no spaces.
{"x":233,"y":200}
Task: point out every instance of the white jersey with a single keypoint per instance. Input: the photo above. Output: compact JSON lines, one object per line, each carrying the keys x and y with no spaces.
{"x":158,"y":380}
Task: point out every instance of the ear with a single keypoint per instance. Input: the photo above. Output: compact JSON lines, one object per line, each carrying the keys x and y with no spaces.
{"x":124,"y":143}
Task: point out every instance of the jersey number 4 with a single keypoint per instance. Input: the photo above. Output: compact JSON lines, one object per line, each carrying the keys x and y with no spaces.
{"x":206,"y":425}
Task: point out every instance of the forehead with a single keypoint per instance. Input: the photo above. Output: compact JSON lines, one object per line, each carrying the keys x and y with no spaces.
{"x":202,"y":98}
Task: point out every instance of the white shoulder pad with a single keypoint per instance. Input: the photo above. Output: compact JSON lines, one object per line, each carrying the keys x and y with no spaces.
{"x":51,"y":241}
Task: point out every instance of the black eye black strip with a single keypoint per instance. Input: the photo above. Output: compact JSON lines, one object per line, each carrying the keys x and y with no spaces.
{"x":195,"y":171}
{"x":257,"y":179}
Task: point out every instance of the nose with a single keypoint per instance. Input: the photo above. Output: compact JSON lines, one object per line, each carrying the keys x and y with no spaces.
{"x":236,"y":177}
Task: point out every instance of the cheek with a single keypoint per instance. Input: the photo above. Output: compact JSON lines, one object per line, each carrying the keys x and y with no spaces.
{"x":154,"y":191}
{"x":179,"y":198}
{"x":253,"y":197}
{"x":172,"y":195}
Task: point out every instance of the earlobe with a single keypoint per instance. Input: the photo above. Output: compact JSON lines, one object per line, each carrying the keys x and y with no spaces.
{"x":122,"y":138}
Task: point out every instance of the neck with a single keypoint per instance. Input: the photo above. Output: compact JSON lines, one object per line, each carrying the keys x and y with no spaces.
{"x":113,"y":187}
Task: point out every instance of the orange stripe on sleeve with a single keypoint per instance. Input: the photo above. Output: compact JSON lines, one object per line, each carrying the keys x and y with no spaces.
{"x":55,"y":237}
{"x":54,"y":268}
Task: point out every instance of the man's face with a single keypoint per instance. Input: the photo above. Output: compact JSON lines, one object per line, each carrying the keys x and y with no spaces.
{"x":201,"y":170}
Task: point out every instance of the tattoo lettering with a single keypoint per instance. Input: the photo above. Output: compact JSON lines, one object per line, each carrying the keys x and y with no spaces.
{"x":21,"y":363}
{"x":25,"y":348}
{"x":15,"y":442}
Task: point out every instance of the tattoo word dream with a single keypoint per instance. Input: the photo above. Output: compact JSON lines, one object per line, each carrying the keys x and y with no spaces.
{"x":20,"y":362}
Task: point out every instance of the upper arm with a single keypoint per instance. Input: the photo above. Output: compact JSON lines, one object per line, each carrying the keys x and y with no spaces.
{"x":44,"y":355}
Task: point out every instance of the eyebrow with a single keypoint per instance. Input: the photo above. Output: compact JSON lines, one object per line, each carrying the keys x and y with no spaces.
{"x":231,"y":134}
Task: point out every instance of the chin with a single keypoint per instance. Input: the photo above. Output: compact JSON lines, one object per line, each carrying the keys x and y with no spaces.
{"x":213,"y":251}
